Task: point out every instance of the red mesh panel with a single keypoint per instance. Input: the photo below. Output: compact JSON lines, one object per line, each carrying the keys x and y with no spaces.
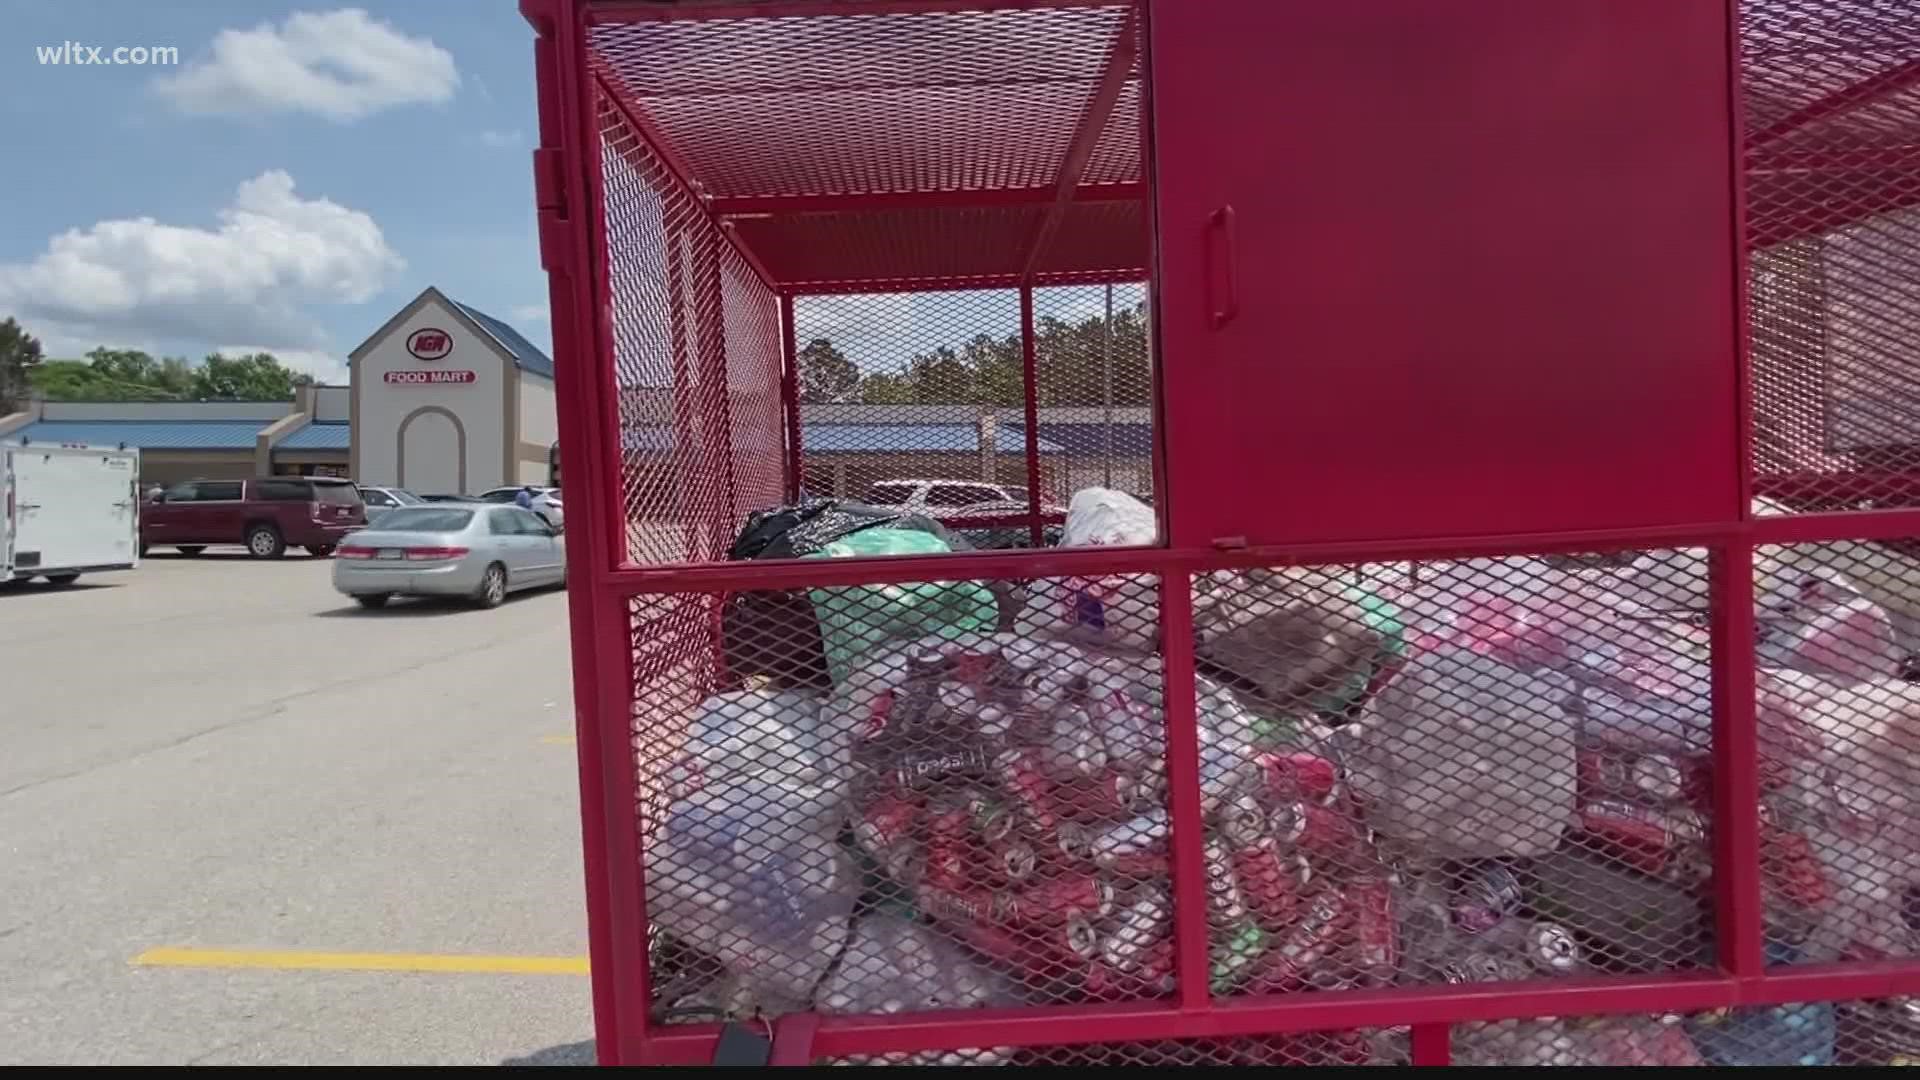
{"x":1832,"y":99}
{"x":849,"y":104}
{"x":1369,"y":1047}
{"x":754,"y":410}
{"x":907,"y":797}
{"x":1480,"y":771}
{"x":907,"y":248}
{"x":696,"y":361}
{"x":1840,"y":858}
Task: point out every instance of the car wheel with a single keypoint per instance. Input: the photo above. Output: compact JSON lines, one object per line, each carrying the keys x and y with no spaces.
{"x":372,"y":601}
{"x":319,"y":551}
{"x":493,"y":587}
{"x":264,"y":542}
{"x":62,"y":580}
{"x":190,"y":550}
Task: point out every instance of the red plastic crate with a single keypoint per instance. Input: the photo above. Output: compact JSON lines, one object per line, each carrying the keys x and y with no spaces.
{"x":815,"y":245}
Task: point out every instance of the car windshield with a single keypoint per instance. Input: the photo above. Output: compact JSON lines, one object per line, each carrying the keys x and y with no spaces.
{"x":426,"y":519}
{"x":337,"y":494}
{"x":405,"y":498}
{"x":889,"y":494}
{"x":1016,"y":494}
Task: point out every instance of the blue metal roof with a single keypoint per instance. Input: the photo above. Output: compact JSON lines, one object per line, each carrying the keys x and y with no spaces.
{"x":333,"y":435}
{"x":526,"y":355}
{"x":146,"y":434}
{"x":869,"y":439}
{"x":1082,"y":438}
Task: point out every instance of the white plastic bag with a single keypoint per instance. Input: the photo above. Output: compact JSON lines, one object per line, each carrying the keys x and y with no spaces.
{"x":1117,"y":611}
{"x":784,"y":736}
{"x":1102,"y":517}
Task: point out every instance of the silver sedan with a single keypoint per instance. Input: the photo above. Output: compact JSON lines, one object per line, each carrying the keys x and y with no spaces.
{"x":473,"y":550}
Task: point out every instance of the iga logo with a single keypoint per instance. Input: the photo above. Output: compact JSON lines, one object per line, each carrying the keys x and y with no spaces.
{"x":430,"y":343}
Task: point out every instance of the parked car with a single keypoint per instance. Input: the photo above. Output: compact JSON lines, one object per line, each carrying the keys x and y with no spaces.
{"x":442,"y":497}
{"x":379,"y":500}
{"x":266,"y":514}
{"x":1001,"y":536}
{"x":546,"y":500}
{"x":480,"y":551}
{"x":937,"y":498}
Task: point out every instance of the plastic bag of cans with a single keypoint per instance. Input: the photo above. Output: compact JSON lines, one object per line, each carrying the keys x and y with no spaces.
{"x":1015,"y":796}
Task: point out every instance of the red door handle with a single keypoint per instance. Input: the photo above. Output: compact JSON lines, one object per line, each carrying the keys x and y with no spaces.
{"x":1223,"y":303}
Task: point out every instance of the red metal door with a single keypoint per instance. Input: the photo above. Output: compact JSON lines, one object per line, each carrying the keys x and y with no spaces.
{"x":1440,"y":269}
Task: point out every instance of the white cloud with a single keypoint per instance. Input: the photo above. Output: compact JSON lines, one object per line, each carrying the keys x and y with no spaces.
{"x":529,"y":313}
{"x":325,"y":367}
{"x":248,"y":279}
{"x":340,"y":64}
{"x":498,"y":140}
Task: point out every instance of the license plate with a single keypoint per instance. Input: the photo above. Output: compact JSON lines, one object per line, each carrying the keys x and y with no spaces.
{"x":391,"y":553}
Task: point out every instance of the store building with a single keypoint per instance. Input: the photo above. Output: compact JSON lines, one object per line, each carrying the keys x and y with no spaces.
{"x":449,"y":399}
{"x":444,"y":399}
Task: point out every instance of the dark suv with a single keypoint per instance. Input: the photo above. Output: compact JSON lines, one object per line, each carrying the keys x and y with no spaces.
{"x":265,"y":514}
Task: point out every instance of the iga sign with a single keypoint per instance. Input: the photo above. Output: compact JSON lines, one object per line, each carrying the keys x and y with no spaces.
{"x":430,"y":376}
{"x":429,"y":343}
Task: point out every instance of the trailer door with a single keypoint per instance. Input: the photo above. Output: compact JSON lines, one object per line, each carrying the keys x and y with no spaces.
{"x":73,"y":508}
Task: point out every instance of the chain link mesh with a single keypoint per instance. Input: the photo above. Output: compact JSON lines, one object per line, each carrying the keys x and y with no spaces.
{"x":1832,"y":106}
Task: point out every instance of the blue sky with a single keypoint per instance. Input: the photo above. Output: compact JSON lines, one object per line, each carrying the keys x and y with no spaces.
{"x":304,"y":171}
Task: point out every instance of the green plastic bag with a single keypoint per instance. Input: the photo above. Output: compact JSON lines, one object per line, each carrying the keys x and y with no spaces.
{"x":857,"y":619}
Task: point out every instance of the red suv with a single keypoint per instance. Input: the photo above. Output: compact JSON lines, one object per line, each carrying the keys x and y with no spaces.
{"x":265,"y":514}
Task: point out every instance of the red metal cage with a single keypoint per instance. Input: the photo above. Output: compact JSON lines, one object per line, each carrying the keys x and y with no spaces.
{"x":1528,"y":401}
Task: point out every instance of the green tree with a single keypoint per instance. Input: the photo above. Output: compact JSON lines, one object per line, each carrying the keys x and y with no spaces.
{"x":19,"y":355}
{"x":250,"y":377}
{"x":76,"y":380}
{"x":826,"y":375}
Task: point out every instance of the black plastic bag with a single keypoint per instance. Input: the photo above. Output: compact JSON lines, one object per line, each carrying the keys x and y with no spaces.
{"x":804,"y":528}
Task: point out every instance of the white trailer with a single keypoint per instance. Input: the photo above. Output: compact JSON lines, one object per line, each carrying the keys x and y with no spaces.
{"x":68,"y":510}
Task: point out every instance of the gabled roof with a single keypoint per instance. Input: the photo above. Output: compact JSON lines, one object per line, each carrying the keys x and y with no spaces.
{"x":526,"y":355}
{"x":510,"y":343}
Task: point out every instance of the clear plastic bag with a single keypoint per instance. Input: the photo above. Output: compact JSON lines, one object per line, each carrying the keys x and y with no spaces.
{"x":730,"y":874}
{"x":894,"y":965}
{"x":1463,"y":756}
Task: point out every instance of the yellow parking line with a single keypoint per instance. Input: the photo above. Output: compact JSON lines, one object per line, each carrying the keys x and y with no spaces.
{"x":324,"y":961}
{"x":558,"y":740}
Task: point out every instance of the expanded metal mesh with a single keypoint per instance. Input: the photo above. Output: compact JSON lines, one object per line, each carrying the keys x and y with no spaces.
{"x":1479,"y":771}
{"x":918,"y":400}
{"x":1832,"y":106}
{"x":1357,"y":1047}
{"x":862,"y":103}
{"x":907,"y":797}
{"x":696,"y":357}
{"x":1841,"y":870}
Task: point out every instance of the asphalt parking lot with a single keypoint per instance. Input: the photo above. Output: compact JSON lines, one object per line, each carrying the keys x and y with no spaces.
{"x":243,"y":821}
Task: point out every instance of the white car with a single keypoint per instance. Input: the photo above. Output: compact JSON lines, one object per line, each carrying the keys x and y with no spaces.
{"x":937,"y":498}
{"x":546,"y":500}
